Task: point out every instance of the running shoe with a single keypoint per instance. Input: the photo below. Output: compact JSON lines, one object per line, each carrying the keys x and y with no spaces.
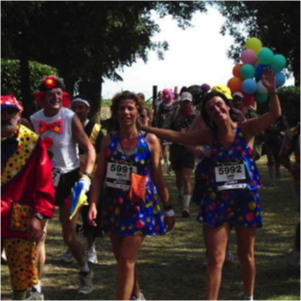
{"x":185,"y":213}
{"x":86,"y":283}
{"x":35,"y":295}
{"x":67,"y":257}
{"x":92,"y":255}
{"x":141,"y":297}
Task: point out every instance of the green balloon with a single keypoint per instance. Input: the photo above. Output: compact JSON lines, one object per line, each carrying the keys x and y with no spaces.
{"x":265,"y":56}
{"x":278,"y":62}
{"x":260,"y":98}
{"x":247,"y":71}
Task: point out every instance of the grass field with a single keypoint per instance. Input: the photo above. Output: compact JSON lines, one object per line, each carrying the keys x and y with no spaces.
{"x":169,"y":267}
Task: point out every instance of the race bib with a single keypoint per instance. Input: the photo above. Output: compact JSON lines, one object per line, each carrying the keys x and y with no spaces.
{"x":230,"y":176}
{"x":119,"y":175}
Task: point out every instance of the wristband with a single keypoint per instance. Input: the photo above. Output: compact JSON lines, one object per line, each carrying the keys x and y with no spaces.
{"x":167,"y":207}
{"x":273,"y":93}
{"x":170,"y":213}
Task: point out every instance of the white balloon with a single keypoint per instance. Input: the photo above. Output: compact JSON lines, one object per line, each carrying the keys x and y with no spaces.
{"x":261,"y":88}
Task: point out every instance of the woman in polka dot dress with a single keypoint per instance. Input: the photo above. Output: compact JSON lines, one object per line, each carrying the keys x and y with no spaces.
{"x":128,"y":159}
{"x":232,"y":183}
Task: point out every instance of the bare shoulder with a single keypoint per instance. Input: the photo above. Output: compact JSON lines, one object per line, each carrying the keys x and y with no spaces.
{"x":151,"y":138}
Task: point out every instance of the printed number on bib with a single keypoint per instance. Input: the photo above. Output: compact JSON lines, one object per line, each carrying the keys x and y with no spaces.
{"x":118,"y":175}
{"x":230,"y":176}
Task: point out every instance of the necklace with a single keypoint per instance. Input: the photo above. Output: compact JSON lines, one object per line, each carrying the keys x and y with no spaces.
{"x":127,"y":152}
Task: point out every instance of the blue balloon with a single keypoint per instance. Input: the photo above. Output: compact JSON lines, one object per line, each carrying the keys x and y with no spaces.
{"x":249,"y":86}
{"x":280,"y":79}
{"x":258,"y":71}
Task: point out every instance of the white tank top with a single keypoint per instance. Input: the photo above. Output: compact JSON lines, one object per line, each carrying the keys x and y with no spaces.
{"x":56,"y":132}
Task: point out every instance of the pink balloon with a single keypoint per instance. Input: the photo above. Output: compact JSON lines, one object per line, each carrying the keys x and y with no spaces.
{"x":248,"y":56}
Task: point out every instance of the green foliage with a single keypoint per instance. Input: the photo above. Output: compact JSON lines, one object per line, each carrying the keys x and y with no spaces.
{"x":276,"y":24}
{"x":106,"y":102}
{"x":87,"y":41}
{"x":11,"y":79}
{"x":290,"y":103}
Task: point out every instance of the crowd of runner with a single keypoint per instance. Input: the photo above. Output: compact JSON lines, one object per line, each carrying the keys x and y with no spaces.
{"x":113,"y":178}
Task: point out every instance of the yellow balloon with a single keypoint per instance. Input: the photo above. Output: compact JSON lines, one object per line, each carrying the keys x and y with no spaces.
{"x":254,"y":44}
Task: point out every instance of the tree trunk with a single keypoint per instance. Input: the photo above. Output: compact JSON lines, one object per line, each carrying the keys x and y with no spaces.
{"x":27,"y":98}
{"x":91,"y":90}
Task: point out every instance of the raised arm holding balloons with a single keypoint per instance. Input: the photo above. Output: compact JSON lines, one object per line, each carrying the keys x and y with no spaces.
{"x":232,"y":193}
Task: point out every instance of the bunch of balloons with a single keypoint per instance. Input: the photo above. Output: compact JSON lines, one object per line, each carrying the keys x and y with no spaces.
{"x":248,"y":74}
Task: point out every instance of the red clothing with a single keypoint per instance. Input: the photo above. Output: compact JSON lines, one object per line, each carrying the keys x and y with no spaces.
{"x":29,"y":190}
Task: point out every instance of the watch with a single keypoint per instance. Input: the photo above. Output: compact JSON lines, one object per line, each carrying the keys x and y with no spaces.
{"x":39,"y":216}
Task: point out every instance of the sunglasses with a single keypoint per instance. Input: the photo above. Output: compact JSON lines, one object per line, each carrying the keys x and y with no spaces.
{"x":143,"y":116}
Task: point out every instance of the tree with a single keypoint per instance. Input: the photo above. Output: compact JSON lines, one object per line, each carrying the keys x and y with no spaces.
{"x":275,"y":23}
{"x":11,"y":79}
{"x":86,"y":41}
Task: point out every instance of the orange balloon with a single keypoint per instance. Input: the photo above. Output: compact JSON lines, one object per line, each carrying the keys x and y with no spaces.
{"x":235,"y":70}
{"x":234,"y":84}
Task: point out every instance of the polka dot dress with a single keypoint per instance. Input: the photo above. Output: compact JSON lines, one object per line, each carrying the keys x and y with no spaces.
{"x":21,"y":258}
{"x":122,"y":217}
{"x":234,"y":206}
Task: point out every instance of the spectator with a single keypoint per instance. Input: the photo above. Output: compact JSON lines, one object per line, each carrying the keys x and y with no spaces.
{"x":273,"y":137}
{"x":182,"y":160}
{"x":291,"y":144}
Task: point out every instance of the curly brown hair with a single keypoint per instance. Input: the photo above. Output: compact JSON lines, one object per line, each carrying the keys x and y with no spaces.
{"x":122,"y":96}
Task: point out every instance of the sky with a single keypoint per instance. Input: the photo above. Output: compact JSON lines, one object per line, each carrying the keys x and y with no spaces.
{"x":196,"y":55}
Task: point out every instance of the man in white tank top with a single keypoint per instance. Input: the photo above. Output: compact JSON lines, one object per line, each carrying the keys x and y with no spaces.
{"x":61,"y":131}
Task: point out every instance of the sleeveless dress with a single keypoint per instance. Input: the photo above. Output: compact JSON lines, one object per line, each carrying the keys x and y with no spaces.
{"x":232,"y":186}
{"x":120,"y":216}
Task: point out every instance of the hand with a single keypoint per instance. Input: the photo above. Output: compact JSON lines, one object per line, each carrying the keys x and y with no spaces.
{"x":35,"y":231}
{"x":269,"y":79}
{"x":169,"y":222}
{"x":86,"y":183}
{"x":139,"y":125}
{"x":92,"y":214}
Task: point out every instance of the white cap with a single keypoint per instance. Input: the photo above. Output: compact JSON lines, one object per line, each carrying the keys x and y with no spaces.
{"x":81,"y":100}
{"x":186,"y":96}
{"x":238,"y":94}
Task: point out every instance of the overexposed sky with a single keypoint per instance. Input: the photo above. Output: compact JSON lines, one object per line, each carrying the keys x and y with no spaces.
{"x":196,"y":55}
